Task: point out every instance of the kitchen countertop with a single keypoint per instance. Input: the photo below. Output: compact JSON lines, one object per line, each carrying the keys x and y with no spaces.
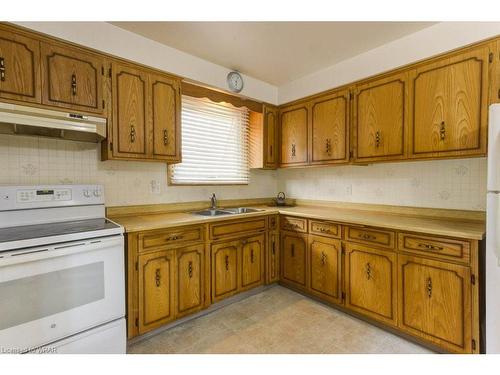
{"x":452,"y":227}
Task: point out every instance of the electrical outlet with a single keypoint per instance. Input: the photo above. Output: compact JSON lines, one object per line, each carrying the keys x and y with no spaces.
{"x":155,"y":186}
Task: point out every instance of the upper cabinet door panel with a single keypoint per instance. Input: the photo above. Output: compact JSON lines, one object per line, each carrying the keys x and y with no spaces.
{"x":270,"y":137}
{"x":380,"y":118}
{"x":294,"y":120}
{"x":166,"y":110}
{"x":19,"y":67}
{"x":329,"y":128}
{"x":72,"y":78}
{"x":129,"y":111}
{"x":449,"y":106}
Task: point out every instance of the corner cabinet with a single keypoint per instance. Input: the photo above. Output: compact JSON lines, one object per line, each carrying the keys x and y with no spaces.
{"x":145,"y":117}
{"x":263,"y":138}
{"x":450,"y":105}
{"x":380,"y":119}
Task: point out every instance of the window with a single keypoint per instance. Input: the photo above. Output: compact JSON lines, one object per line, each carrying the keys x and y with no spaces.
{"x":214,"y":144}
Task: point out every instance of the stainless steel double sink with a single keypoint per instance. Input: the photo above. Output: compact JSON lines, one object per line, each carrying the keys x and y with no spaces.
{"x":226,"y":211}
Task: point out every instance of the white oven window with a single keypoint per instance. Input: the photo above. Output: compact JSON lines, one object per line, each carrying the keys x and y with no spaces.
{"x":35,"y":297}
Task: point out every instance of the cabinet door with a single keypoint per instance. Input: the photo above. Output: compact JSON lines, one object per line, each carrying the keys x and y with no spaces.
{"x":330,"y":128}
{"x":435,"y":302}
{"x":495,"y":86}
{"x":252,"y":261}
{"x":156,"y":289}
{"x":370,"y":276}
{"x":19,"y":67}
{"x":325,"y":268}
{"x":380,"y":118}
{"x":129,"y":111}
{"x":72,"y":78}
{"x":273,"y":258}
{"x":294,"y":121}
{"x":166,"y":117}
{"x":270,"y":137}
{"x":190,"y":279}
{"x":449,"y":106}
{"x":225,"y":269}
{"x":293,"y":255}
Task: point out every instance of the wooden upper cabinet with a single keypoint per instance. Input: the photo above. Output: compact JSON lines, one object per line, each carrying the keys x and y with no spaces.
{"x":330,"y":128}
{"x":371,"y":283}
{"x":435,"y":302}
{"x":190,"y":279}
{"x":271,"y":148}
{"x":450,"y":105}
{"x":381,"y":112}
{"x":165,"y":107}
{"x":19,"y":67}
{"x":130,"y":118}
{"x":156,"y":289}
{"x":72,"y":78}
{"x":294,"y":130}
{"x":325,"y":256}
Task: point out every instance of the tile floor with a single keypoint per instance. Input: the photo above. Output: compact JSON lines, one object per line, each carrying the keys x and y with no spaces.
{"x":277,"y":320}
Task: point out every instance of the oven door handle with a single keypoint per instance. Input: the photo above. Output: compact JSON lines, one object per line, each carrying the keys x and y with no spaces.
{"x":45,"y":252}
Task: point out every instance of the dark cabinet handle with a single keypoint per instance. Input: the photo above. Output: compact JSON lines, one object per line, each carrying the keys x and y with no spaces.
{"x":73,"y":84}
{"x":227,"y":262}
{"x":329,"y":146}
{"x":368,"y":269}
{"x":292,"y":250}
{"x":158,"y":277}
{"x":2,"y":69}
{"x":165,"y":137}
{"x":442,"y":131}
{"x":274,"y":248}
{"x":271,"y":150}
{"x":430,"y":247}
{"x":132,"y":133}
{"x":251,"y":256}
{"x":293,"y":149}
{"x":429,"y":287}
{"x":190,"y":269}
{"x":377,"y":138}
{"x":367,"y":236}
{"x":323,"y":258}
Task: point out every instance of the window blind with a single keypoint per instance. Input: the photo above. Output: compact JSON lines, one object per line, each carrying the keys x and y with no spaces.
{"x":214,"y":144}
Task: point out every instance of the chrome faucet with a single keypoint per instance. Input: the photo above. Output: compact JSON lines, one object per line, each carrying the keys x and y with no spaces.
{"x":213,"y":202}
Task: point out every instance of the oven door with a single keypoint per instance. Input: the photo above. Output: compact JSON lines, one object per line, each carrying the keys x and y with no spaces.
{"x":50,"y":293}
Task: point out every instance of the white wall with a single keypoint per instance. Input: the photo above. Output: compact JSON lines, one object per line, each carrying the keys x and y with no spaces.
{"x":116,"y":41}
{"x":430,"y":41}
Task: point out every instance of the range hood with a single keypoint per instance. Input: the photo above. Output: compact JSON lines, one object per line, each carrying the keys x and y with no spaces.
{"x":22,"y":120}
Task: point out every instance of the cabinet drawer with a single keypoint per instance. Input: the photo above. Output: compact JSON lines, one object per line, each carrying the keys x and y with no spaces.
{"x":371,"y":236}
{"x":323,"y":228}
{"x":237,"y":227}
{"x":442,"y":248}
{"x":170,"y":237}
{"x":295,"y":224}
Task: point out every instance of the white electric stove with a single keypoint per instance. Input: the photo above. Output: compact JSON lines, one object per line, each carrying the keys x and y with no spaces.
{"x":62,"y":278}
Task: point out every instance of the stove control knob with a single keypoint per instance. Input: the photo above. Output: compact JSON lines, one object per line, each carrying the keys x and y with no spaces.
{"x":86,"y":193}
{"x":97,"y":193}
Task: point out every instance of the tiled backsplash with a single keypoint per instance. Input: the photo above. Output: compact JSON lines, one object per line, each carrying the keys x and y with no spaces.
{"x":459,"y":184}
{"x":37,"y":160}
{"x":454,"y":184}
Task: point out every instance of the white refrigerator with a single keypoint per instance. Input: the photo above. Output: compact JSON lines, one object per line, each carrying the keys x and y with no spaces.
{"x":493,"y":234}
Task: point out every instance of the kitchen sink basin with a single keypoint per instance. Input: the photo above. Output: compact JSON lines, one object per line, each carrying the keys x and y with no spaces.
{"x":242,"y":210}
{"x":211,"y":212}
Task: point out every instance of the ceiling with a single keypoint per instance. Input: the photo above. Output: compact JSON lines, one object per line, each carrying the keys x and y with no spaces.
{"x":274,"y":52}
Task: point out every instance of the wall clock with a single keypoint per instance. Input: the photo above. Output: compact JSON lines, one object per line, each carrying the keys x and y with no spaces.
{"x":235,"y":81}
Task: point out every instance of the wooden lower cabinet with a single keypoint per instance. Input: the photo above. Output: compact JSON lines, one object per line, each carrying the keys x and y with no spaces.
{"x":156,"y":289}
{"x":435,"y":302}
{"x":252,"y":262}
{"x":190,"y":279}
{"x":325,"y":260}
{"x":294,"y":259}
{"x":371,"y":283}
{"x":225,"y":269}
{"x":273,"y":258}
